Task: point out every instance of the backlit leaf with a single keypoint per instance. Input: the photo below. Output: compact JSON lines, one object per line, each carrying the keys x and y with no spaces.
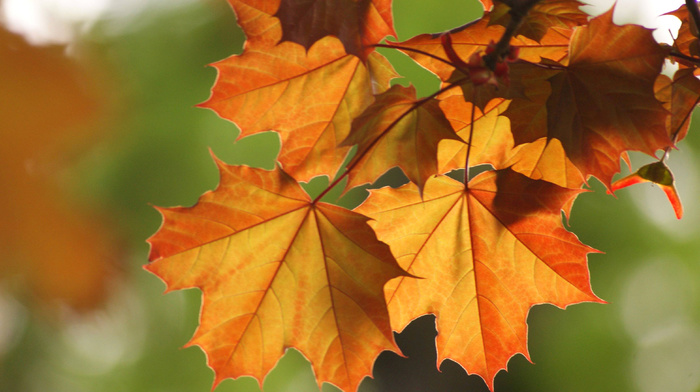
{"x":686,"y":42}
{"x":398,"y":130}
{"x":603,"y":103}
{"x":486,"y":253}
{"x":357,"y":24}
{"x":310,"y":98}
{"x":278,"y":271}
{"x":491,"y":143}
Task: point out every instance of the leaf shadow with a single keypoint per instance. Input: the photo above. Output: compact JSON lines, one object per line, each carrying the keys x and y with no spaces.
{"x":417,"y":371}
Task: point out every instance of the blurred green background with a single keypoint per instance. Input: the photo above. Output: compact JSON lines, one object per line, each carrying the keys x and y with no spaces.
{"x":146,"y":144}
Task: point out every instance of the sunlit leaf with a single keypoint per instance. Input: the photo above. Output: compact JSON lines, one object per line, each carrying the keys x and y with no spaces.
{"x":486,"y":254}
{"x":398,"y":130}
{"x":278,"y":271}
{"x":603,"y":103}
{"x":310,"y":98}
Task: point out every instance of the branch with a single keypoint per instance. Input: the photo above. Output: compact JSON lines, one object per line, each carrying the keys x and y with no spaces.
{"x":518,"y":13}
{"x":406,"y":49}
{"x":687,"y":58}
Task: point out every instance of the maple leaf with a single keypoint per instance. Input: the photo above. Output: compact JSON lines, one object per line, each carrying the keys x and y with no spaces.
{"x":276,"y":271}
{"x":308,"y":97}
{"x":545,"y":160}
{"x":486,"y":253}
{"x":358,"y":24}
{"x":603,"y":102}
{"x":680,"y":97}
{"x":547,"y":14}
{"x":398,"y":130}
{"x":535,"y":156}
{"x":493,"y":136}
{"x":482,"y":93}
{"x":656,"y":173}
{"x":491,"y":140}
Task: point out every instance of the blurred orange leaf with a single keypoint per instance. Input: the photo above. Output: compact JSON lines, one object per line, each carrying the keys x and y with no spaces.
{"x":52,"y":251}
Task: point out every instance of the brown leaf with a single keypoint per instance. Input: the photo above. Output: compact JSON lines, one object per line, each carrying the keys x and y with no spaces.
{"x":680,"y":97}
{"x":545,"y":15}
{"x":357,"y":24}
{"x":686,"y":42}
{"x":603,"y":103}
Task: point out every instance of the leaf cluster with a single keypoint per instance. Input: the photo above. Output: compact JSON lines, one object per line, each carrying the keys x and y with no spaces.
{"x":538,"y":90}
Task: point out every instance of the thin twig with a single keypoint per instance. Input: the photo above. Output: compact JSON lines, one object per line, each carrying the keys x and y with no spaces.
{"x":407,"y":49}
{"x":685,"y":57}
{"x":553,"y":67}
{"x":469,"y":144}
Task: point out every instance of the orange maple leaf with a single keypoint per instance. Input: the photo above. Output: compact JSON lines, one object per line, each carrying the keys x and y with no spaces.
{"x":491,"y":142}
{"x":603,"y":102}
{"x":534,"y":155}
{"x":546,"y":14}
{"x":309,"y":98}
{"x":486,"y":253}
{"x":358,"y":24}
{"x":493,"y":139}
{"x":276,"y":271}
{"x":398,"y":130}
